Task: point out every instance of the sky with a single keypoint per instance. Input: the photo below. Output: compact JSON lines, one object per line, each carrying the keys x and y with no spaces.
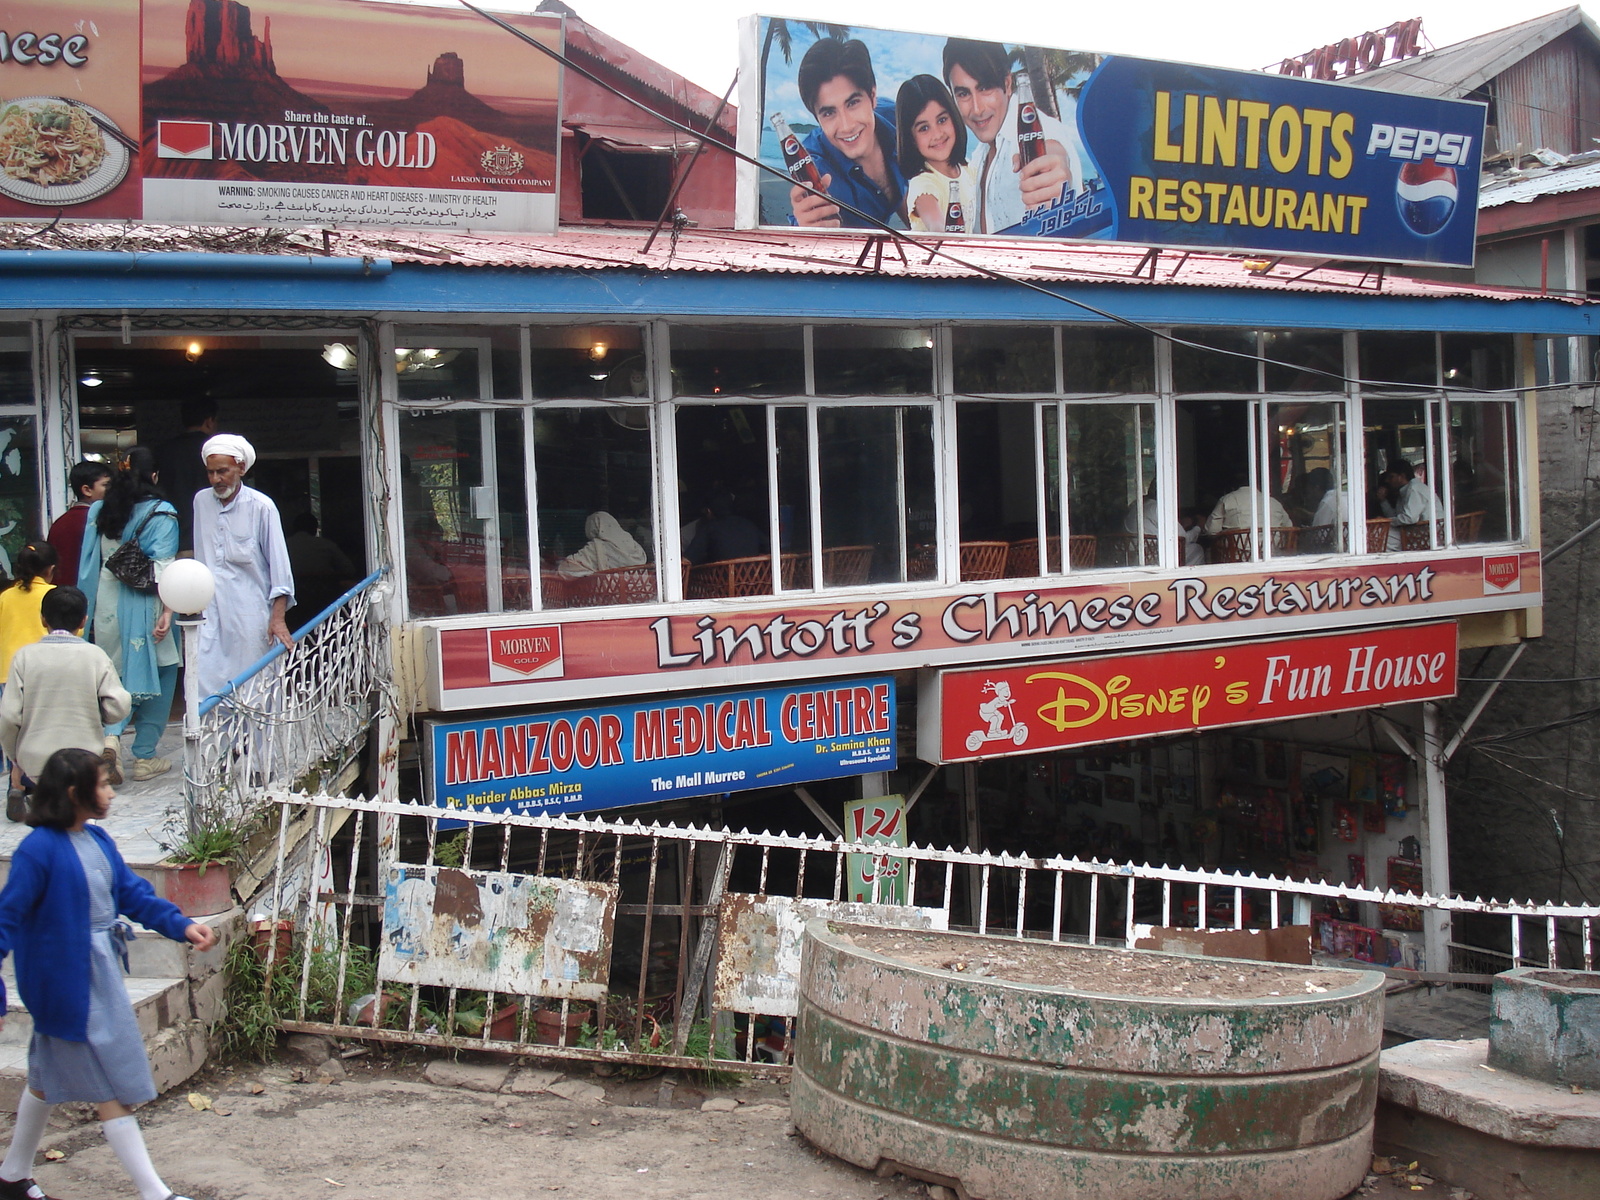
{"x":701,"y":41}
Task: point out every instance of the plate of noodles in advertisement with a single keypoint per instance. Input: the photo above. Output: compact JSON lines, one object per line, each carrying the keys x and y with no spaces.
{"x":55,"y":152}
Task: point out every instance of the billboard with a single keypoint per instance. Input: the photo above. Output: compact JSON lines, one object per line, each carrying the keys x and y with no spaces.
{"x":958,"y":136}
{"x":352,"y":113}
{"x":581,"y":760}
{"x":533,"y":658}
{"x":1055,"y":705}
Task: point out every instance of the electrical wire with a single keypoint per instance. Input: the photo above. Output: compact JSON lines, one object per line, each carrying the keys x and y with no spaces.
{"x":935,"y":249}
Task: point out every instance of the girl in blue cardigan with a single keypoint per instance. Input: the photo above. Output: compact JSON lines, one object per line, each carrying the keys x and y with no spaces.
{"x":58,"y":915}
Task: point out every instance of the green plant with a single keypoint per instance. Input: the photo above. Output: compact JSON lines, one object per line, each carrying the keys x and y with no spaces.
{"x":451,"y":851}
{"x":209,"y":838}
{"x":256,"y":1007}
{"x":698,"y":1045}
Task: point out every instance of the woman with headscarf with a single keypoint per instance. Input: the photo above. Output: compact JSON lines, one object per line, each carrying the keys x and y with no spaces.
{"x":609,"y":546}
{"x":133,"y":627}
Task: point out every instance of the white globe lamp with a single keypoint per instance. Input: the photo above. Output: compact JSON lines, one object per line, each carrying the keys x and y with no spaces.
{"x":187,"y":586}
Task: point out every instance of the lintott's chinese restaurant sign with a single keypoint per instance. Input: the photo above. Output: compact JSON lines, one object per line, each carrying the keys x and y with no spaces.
{"x":578,"y":760}
{"x":798,"y":637}
{"x":992,"y":712}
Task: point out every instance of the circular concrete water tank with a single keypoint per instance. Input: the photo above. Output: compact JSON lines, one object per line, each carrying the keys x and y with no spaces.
{"x":1024,"y":1091}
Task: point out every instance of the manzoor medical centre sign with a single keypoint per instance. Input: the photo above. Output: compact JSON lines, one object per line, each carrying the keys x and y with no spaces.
{"x":959,"y":136}
{"x":579,"y":760}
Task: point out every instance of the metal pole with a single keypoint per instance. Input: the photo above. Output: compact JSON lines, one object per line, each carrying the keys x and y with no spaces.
{"x":190,"y":625}
{"x":1435,"y":841}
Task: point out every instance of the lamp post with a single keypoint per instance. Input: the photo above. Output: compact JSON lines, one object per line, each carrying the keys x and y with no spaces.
{"x":187,"y":587}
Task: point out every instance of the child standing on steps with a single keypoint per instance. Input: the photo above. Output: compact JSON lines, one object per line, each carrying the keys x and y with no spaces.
{"x":58,"y":915}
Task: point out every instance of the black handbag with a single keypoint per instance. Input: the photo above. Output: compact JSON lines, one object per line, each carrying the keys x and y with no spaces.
{"x":130,"y":565}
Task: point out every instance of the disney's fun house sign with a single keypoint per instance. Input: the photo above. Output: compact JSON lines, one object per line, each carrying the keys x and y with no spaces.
{"x":489,"y":664}
{"x":964,"y":715}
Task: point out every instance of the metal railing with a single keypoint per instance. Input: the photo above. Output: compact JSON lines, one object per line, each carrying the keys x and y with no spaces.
{"x":293,"y":720}
{"x":682,"y":904}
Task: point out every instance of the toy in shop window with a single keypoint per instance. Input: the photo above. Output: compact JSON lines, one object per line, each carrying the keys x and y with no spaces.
{"x":1344,"y":822}
{"x":1392,"y":784}
{"x":1272,"y":822}
{"x":1405,"y":877}
{"x":1000,"y":712}
{"x":1357,"y":874}
{"x":1303,"y":813}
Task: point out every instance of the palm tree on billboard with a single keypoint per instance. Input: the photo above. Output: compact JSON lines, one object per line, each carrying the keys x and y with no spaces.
{"x":779,"y":34}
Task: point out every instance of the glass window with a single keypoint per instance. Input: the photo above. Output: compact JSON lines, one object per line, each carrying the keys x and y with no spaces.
{"x":875,"y":470}
{"x":1394,"y":360}
{"x":792,"y":429}
{"x":1240,"y":514}
{"x":1306,"y":458}
{"x":1401,"y":497}
{"x":597,"y":533}
{"x":997,"y":453}
{"x":1314,"y":358}
{"x":724,"y":498}
{"x":870,"y":360}
{"x":1484,"y":471}
{"x":1486,"y":361}
{"x":459,"y":362}
{"x":588,"y":362}
{"x":16,"y":364}
{"x":19,"y":486}
{"x":727,"y":360}
{"x":462,"y":486}
{"x":1197,"y":369}
{"x":1004,"y":359}
{"x":1096,"y":360}
{"x":1112,"y":503}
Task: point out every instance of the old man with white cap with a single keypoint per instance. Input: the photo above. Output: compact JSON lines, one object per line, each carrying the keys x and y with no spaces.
{"x":238,"y":535}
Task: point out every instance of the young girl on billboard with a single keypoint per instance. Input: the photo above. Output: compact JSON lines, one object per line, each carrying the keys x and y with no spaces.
{"x":932,"y":149}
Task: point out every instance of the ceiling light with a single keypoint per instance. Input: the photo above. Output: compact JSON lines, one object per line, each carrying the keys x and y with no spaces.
{"x":339,"y":356}
{"x":598,"y":351}
{"x":193,"y":351}
{"x":91,"y":378}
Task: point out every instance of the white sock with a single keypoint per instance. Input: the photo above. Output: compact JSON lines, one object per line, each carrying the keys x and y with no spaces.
{"x":32,"y":1113}
{"x":125,"y":1138}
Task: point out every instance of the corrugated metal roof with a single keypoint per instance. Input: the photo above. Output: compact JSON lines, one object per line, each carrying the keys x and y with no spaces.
{"x":1546,"y":181}
{"x":1453,"y":71}
{"x":763,"y":252}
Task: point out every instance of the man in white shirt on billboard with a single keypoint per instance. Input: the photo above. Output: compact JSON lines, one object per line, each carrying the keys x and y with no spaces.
{"x":981,"y":81}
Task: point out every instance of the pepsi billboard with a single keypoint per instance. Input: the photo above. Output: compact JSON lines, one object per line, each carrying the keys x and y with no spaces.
{"x":581,"y":760}
{"x":957,"y":136}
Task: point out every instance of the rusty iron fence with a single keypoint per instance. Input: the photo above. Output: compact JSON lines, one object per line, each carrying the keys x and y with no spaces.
{"x":678,"y":946}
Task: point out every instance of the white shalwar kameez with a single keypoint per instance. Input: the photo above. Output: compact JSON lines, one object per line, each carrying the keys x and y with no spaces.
{"x":242,"y":542}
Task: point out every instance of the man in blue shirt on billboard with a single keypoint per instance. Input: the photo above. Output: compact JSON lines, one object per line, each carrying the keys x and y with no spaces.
{"x":854,"y":148}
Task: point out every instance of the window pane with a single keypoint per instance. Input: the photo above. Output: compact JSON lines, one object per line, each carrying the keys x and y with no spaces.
{"x":853,"y":360}
{"x":723,"y":499}
{"x":454,"y":559}
{"x":1480,"y":360}
{"x":990,"y":358}
{"x":1391,"y":360}
{"x":873,"y":504}
{"x":19,"y":486}
{"x":16,"y":365}
{"x":1322,"y":351}
{"x":459,"y":362}
{"x":794,"y":497}
{"x":588,"y":362}
{"x":1398,"y":475}
{"x":1217,"y":481}
{"x":1107,"y":360}
{"x":1200,"y":370}
{"x":1306,"y":458}
{"x":1485,"y":475}
{"x":596,"y":520}
{"x":996,"y":464}
{"x":921,"y":485}
{"x":738,"y":361}
{"x":1112,"y":506}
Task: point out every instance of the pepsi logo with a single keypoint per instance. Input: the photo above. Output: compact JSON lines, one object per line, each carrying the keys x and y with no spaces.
{"x":791,"y":146}
{"x":1028,"y":115}
{"x":1426,"y":195}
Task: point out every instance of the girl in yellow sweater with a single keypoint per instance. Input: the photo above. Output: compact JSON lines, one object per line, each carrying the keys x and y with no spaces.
{"x":19,"y":604}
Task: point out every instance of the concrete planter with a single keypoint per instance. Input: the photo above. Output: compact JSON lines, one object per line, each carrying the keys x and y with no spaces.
{"x":1546,"y":1025}
{"x":1020,"y":1092}
{"x":199,"y":889}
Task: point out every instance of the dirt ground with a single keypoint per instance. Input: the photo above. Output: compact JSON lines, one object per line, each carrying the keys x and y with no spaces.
{"x":1091,"y":969}
{"x":385,"y":1133}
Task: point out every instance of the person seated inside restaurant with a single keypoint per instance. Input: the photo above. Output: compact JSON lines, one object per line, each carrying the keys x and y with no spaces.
{"x":723,"y":534}
{"x":609,"y":546}
{"x":1144,"y":517}
{"x":1233,"y":510}
{"x":1413,"y":500}
{"x":1326,"y":501}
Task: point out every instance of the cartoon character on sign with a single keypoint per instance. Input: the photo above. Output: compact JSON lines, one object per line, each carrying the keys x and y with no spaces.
{"x":998,"y":711}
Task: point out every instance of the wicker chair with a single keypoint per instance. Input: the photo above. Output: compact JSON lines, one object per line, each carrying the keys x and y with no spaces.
{"x":1232,"y":545}
{"x":846,"y":566}
{"x":1319,"y":539}
{"x":618,"y":585}
{"x":1022,"y":557}
{"x":731,"y":577}
{"x":1378,"y":535}
{"x":1082,"y":550}
{"x":1126,"y":549}
{"x":983,"y":560}
{"x":1285,"y":540}
{"x":1415,"y":537}
{"x":795,"y":571}
{"x":1469,"y":526}
{"x":922,"y":562}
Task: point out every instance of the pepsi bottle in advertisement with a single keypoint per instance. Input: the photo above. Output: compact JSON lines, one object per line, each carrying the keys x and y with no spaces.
{"x":1030,"y":130}
{"x":955,"y":220}
{"x":802,"y":167}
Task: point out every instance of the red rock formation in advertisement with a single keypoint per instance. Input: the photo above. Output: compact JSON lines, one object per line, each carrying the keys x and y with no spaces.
{"x":228,"y":69}
{"x":217,"y":36}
